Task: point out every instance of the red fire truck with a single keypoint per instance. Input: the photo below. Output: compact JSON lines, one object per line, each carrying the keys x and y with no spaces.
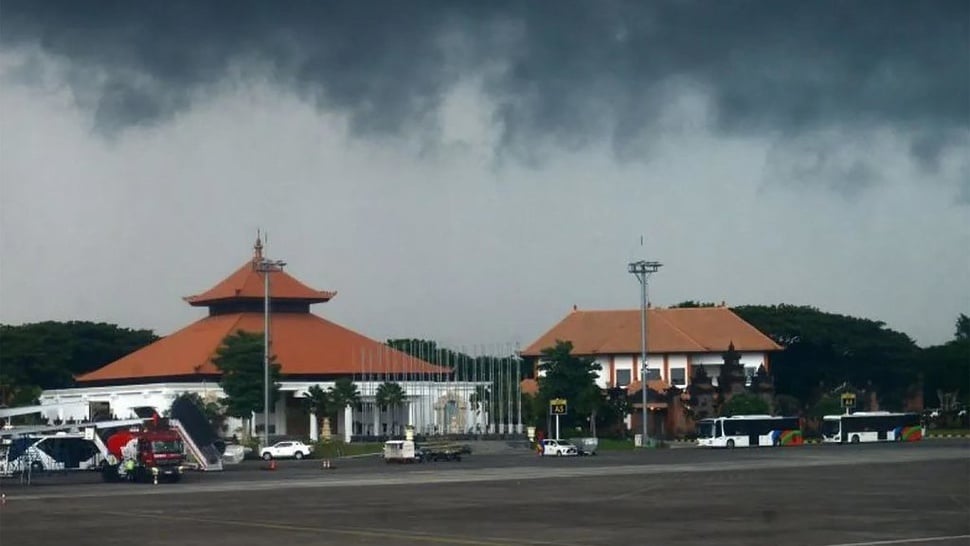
{"x":152,"y":452}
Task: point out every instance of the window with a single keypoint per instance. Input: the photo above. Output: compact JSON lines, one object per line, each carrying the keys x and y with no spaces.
{"x":678,"y":376}
{"x":653,"y":373}
{"x":622,"y":378}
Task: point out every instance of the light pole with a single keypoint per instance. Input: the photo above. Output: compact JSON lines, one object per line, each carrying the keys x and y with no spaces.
{"x":642,"y":270}
{"x":266,"y":266}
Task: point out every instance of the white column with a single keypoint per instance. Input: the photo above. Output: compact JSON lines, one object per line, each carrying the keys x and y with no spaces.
{"x":377,"y":419}
{"x":279,"y":417}
{"x":314,"y":427}
{"x":410,"y":411}
{"x":348,"y":423}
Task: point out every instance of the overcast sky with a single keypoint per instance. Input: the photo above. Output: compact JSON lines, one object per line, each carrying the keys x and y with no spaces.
{"x":468,"y":171}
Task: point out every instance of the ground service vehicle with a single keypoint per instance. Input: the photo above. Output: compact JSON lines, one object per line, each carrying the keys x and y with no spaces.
{"x":749,"y":431}
{"x":585,"y":446}
{"x":287,"y":449}
{"x":558,"y":448}
{"x":872,"y":426}
{"x":400,"y":451}
{"x":439,"y":452}
{"x":147,"y":453}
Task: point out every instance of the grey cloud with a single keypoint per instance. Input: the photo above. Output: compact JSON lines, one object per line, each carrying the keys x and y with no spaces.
{"x":567,"y":73}
{"x":832,"y":161}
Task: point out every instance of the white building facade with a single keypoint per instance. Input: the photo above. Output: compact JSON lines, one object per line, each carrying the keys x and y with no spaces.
{"x":679,"y":341}
{"x":431,"y":408}
{"x":674,"y":369}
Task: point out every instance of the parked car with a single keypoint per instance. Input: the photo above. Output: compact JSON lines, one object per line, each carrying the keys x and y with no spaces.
{"x":286,"y":449}
{"x":558,"y":448}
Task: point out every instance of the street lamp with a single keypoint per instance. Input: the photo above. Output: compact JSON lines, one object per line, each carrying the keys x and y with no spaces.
{"x":266,"y":266}
{"x":642,"y":270}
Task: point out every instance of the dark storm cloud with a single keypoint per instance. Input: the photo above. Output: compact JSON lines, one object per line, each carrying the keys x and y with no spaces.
{"x":566,"y":71}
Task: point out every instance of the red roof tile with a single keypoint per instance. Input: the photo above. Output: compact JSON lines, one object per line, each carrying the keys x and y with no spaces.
{"x":681,"y":330}
{"x":655,"y":385}
{"x":529,"y":386}
{"x":247,"y":283}
{"x":304,"y":344}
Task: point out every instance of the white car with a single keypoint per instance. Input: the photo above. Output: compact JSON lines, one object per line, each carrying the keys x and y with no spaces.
{"x":559,"y":448}
{"x":286,"y":449}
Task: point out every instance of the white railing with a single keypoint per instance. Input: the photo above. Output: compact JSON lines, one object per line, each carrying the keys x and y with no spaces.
{"x":195,"y":451}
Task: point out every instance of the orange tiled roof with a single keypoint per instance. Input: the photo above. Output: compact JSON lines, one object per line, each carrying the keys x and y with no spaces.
{"x":687,"y":330}
{"x":656,"y":385}
{"x":529,"y":386}
{"x":304,"y":344}
{"x":247,"y":283}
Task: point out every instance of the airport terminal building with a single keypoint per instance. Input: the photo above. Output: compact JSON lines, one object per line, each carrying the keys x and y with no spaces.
{"x":315,"y":351}
{"x":310,"y":349}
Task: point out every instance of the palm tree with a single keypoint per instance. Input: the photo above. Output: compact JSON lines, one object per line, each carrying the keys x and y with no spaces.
{"x":391,"y":396}
{"x":318,"y":402}
{"x":343,"y":393}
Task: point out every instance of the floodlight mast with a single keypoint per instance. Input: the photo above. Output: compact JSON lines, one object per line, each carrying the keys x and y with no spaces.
{"x":266,"y":266}
{"x":642,"y":270}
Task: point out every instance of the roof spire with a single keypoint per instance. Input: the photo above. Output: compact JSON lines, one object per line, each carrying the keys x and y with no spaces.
{"x":258,"y":247}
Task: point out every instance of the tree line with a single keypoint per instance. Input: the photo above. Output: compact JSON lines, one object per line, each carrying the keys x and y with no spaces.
{"x":822,"y":351}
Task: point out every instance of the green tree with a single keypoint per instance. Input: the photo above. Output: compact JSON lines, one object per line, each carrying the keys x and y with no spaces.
{"x":529,"y":414}
{"x":214,"y":412}
{"x":745,"y":404}
{"x":573,"y":378}
{"x":946,"y":369}
{"x":343,"y":394}
{"x":319,"y":403}
{"x":691,"y":304}
{"x":963,"y":328}
{"x":48,"y":355}
{"x":240,"y":359}
{"x":827,"y":405}
{"x":787,"y":405}
{"x":823,"y":350}
{"x":390,"y":396}
{"x":610,"y":418}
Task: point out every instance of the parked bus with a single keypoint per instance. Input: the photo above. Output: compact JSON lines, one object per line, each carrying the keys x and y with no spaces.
{"x":749,"y":431}
{"x":61,"y":451}
{"x":872,"y":426}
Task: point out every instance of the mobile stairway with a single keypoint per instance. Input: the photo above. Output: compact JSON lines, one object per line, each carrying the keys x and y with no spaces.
{"x":201,"y":443}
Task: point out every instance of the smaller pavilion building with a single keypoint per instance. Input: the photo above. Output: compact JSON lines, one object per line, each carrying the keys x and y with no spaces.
{"x":680,"y":341}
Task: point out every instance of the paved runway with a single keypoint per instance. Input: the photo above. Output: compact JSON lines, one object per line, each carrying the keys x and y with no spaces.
{"x":812,"y":495}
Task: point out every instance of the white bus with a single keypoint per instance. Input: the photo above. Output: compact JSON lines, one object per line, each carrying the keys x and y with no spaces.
{"x":749,"y":431}
{"x":871,"y":426}
{"x":61,"y":451}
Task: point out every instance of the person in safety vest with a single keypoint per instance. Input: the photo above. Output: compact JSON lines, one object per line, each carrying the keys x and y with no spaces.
{"x":130,"y":468}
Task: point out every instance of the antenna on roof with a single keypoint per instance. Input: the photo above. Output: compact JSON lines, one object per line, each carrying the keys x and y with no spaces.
{"x":258,"y":247}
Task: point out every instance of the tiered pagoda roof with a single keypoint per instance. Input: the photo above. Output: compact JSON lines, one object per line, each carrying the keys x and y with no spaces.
{"x":305,"y":345}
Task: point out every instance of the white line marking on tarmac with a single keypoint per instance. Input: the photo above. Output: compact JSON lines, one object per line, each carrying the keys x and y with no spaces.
{"x":396,"y":535}
{"x":949,"y":538}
